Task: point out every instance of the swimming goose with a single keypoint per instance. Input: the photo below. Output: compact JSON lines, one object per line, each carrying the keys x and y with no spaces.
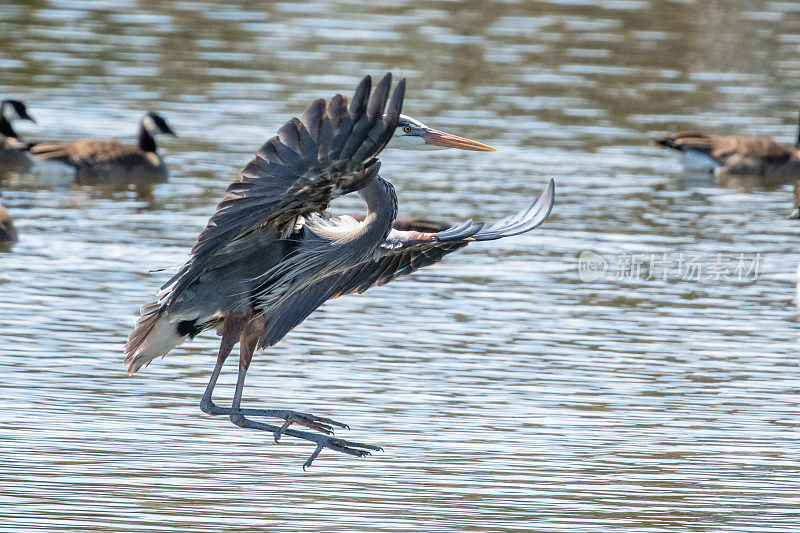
{"x":12,"y":149}
{"x":740,"y":162}
{"x":112,"y":160}
{"x":7,"y":231}
{"x":754,"y":156}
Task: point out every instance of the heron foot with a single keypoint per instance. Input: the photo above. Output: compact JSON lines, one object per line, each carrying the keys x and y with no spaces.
{"x":318,"y":423}
{"x":356,"y":449}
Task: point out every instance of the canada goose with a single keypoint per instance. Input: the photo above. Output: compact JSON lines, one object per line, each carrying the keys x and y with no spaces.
{"x":7,"y":231}
{"x":729,"y":154}
{"x":112,"y":160}
{"x":12,"y":149}
{"x":740,"y":162}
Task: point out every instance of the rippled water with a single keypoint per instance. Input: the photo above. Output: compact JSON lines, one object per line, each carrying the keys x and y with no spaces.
{"x":509,"y":395}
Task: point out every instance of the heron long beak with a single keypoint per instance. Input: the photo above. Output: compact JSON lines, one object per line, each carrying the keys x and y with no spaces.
{"x":447,"y":140}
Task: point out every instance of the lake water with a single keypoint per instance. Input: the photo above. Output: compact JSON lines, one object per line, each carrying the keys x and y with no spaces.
{"x":509,"y":394}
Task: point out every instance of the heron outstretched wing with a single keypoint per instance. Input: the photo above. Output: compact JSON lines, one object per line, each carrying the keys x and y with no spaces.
{"x":402,"y":253}
{"x":407,"y":251}
{"x":331,"y":151}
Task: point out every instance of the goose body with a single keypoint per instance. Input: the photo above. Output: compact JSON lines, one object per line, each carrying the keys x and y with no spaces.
{"x":12,"y":154}
{"x":7,"y":231}
{"x":112,"y":160}
{"x":754,"y":156}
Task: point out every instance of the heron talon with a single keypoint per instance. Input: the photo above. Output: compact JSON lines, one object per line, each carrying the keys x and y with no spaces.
{"x":356,"y":449}
{"x":312,"y":457}
{"x":282,"y":429}
{"x":318,"y":423}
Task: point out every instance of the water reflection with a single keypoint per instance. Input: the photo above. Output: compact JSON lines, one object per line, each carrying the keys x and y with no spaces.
{"x":508,"y":394}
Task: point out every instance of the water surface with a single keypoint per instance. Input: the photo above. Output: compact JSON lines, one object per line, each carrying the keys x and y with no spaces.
{"x":509,"y":395}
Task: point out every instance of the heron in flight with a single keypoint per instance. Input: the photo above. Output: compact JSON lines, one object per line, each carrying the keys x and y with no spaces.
{"x":271,"y":253}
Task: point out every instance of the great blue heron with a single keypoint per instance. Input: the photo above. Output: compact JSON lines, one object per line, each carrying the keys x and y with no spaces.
{"x":12,"y":148}
{"x":271,"y":253}
{"x":112,"y":160}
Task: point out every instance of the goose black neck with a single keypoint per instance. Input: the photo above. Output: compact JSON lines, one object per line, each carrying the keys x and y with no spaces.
{"x":5,"y":127}
{"x":146,"y":140}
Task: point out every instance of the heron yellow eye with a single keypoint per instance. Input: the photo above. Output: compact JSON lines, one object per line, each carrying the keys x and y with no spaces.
{"x":407,"y":129}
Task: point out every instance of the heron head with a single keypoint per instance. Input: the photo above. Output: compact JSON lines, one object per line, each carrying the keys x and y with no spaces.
{"x":412,"y":134}
{"x":14,"y":109}
{"x":155,"y":123}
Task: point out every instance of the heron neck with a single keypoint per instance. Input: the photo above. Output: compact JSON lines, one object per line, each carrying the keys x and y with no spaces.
{"x":146,"y":140}
{"x":381,"y":203}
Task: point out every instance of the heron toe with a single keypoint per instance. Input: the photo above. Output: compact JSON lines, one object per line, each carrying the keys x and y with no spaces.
{"x":357,"y":449}
{"x":317,"y":423}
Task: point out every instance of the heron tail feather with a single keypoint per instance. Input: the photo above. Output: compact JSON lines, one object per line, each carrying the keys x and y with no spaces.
{"x":154,"y":336}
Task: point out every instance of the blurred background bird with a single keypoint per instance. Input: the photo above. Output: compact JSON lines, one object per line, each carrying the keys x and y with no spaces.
{"x":12,"y":148}
{"x":111,"y":161}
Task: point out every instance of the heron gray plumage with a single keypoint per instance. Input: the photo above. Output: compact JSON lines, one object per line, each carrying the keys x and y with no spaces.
{"x":99,"y":160}
{"x":271,"y":253}
{"x":422,"y":225}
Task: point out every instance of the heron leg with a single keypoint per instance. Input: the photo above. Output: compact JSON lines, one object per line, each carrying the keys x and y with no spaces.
{"x":232,"y":329}
{"x":249,"y":338}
